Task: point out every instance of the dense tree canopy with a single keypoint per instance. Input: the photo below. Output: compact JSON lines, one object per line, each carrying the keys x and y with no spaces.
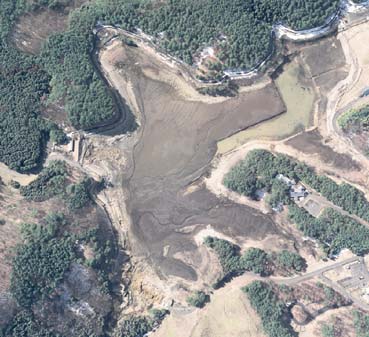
{"x":52,"y":182}
{"x":49,"y":183}
{"x":260,"y":167}
{"x":22,"y":85}
{"x":333,"y":230}
{"x":66,"y":57}
{"x":272,"y":311}
{"x":290,"y":261}
{"x":77,"y":195}
{"x":198,"y":299}
{"x":24,"y":324}
{"x":25,"y":85}
{"x":40,"y":263}
{"x":240,"y":30}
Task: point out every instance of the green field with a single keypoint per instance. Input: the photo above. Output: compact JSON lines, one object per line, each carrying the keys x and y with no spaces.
{"x":299,"y":100}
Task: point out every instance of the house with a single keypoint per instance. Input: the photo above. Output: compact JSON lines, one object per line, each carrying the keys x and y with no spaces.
{"x":286,"y":180}
{"x":278,"y":208}
{"x":298,"y":192}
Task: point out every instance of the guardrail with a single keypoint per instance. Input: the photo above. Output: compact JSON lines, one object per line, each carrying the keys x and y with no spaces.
{"x":279,"y":31}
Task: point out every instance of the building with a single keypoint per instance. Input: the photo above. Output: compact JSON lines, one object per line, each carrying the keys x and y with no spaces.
{"x":278,"y":208}
{"x":286,"y":180}
{"x":298,"y":192}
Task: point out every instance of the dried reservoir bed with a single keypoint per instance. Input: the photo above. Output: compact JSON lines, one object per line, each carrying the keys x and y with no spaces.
{"x":296,"y":89}
{"x":175,"y":144}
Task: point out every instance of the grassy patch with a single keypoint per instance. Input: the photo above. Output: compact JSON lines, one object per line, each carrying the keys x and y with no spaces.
{"x":299,"y":100}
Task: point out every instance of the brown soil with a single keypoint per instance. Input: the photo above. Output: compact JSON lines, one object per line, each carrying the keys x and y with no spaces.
{"x":176,"y":142}
{"x":341,"y":318}
{"x":32,"y":29}
{"x":312,"y":143}
{"x":320,"y":61}
{"x":229,"y":313}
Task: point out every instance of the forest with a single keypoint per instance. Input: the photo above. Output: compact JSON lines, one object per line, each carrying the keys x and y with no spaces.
{"x":259,"y":169}
{"x":253,"y":259}
{"x":64,"y":72}
{"x":274,"y":314}
{"x":333,"y":230}
{"x":53,"y":181}
{"x":240,"y":30}
{"x":43,"y":264}
{"x":23,"y":83}
{"x":27,"y":82}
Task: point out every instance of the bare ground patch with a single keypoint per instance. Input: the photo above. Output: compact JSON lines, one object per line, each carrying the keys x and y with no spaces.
{"x":32,"y":29}
{"x":175,"y":144}
{"x":341,"y":318}
{"x":229,"y":313}
{"x":313,"y":143}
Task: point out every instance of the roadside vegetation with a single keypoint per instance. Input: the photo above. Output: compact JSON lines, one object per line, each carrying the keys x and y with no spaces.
{"x":254,"y":259}
{"x":228,"y":89}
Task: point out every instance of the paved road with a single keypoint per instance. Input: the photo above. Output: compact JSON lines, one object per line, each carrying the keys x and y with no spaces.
{"x":334,"y":285}
{"x":318,"y":272}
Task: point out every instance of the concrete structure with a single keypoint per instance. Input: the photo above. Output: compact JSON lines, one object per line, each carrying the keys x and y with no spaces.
{"x":75,"y":145}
